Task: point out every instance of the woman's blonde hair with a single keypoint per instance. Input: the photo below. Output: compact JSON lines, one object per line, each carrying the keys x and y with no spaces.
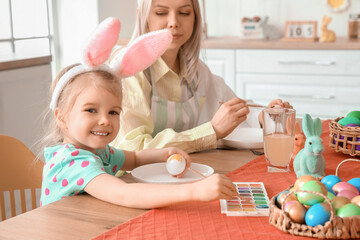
{"x":53,"y":134}
{"x":191,"y":49}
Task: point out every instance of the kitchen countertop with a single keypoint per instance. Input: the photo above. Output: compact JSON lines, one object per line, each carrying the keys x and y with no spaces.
{"x":342,"y":43}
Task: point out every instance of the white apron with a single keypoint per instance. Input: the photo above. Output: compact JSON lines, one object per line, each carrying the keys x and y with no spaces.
{"x":179,"y":116}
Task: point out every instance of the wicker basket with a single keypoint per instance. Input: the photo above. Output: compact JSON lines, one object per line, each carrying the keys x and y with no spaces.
{"x":344,"y":139}
{"x":335,"y":228}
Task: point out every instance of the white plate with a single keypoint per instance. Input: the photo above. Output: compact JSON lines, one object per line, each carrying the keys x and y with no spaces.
{"x":157,"y":173}
{"x":244,"y":138}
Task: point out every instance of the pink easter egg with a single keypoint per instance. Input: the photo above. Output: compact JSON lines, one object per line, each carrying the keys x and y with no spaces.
{"x":340,"y":186}
{"x":349,"y":194}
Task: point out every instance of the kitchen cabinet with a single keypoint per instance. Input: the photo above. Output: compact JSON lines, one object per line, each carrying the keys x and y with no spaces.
{"x":323,"y":83}
{"x":23,"y":99}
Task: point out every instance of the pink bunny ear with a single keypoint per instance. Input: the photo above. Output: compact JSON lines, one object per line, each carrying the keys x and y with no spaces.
{"x":99,"y":46}
{"x":141,"y":53}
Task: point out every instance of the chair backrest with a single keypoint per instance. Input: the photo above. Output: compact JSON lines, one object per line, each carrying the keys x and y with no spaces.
{"x":20,"y":169}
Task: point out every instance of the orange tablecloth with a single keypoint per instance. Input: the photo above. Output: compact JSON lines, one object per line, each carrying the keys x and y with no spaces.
{"x":204,"y":220}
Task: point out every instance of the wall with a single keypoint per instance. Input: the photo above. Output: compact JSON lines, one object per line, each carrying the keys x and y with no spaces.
{"x":224,"y":16}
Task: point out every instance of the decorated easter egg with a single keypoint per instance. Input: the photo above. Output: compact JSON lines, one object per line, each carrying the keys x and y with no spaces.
{"x":302,"y":180}
{"x":348,"y":210}
{"x":329,"y":181}
{"x":354,"y":114}
{"x":175,"y":164}
{"x":357,"y":146}
{"x":281,"y":198}
{"x":344,"y":186}
{"x":317,"y":214}
{"x":349,"y":119}
{"x":330,"y":195}
{"x":356,"y":200}
{"x":296,"y":211}
{"x":347,"y":193}
{"x":355,"y":182}
{"x":339,"y":201}
{"x":311,"y":198}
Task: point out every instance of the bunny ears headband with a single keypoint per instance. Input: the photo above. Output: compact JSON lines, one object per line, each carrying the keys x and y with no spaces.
{"x":139,"y":55}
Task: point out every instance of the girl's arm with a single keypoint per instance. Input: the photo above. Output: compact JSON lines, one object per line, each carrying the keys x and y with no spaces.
{"x":140,"y":195}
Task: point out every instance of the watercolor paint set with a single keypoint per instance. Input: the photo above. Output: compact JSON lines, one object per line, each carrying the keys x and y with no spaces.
{"x":252,"y":201}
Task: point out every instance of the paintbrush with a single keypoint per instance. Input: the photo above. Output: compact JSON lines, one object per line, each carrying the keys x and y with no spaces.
{"x":250,"y":105}
{"x":194,"y":171}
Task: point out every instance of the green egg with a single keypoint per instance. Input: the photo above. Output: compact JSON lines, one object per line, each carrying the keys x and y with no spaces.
{"x":354,"y":114}
{"x":348,"y":210}
{"x":311,"y":198}
{"x":330,"y":195}
{"x":349,"y":119}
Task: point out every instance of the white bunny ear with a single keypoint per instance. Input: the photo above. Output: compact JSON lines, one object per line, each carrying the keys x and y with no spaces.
{"x":141,"y":53}
{"x":99,"y":46}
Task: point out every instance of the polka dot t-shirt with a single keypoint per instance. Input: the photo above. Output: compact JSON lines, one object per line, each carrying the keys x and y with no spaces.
{"x":68,"y":169}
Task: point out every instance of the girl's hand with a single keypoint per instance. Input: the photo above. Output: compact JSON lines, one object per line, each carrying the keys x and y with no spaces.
{"x":173,"y":150}
{"x":229,"y":116}
{"x":274,"y":103}
{"x":215,"y":187}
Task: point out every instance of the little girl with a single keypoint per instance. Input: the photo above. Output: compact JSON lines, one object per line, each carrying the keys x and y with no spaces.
{"x":86,"y":103}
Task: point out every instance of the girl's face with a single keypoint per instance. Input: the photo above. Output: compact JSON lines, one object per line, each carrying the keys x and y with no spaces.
{"x":176,"y":15}
{"x":93,"y":122}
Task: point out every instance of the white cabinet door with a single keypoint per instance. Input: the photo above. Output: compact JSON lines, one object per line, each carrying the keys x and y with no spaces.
{"x":323,"y":83}
{"x":222,"y":63}
{"x":312,"y":95}
{"x":23,"y":99}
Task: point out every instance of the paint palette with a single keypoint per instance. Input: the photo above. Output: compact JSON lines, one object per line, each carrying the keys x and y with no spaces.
{"x":253,"y":201}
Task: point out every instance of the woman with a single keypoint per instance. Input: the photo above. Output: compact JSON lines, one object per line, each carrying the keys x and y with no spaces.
{"x":178,"y":101}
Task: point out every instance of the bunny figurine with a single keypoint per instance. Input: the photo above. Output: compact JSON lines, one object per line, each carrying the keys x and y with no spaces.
{"x":299,"y":141}
{"x":269,"y":31}
{"x":309,"y":161}
{"x":326,"y":35}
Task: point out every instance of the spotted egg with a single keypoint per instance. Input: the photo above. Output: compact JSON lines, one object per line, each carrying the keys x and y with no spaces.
{"x":175,"y":164}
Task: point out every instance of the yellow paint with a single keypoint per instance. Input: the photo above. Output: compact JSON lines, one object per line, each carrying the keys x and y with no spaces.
{"x":177,"y":157}
{"x":336,"y":3}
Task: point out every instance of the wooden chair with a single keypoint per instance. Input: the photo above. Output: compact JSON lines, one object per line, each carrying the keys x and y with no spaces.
{"x":20,"y":169}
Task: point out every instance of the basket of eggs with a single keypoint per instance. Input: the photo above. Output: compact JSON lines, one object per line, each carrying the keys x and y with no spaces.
{"x":320,"y":208}
{"x":345,"y":134}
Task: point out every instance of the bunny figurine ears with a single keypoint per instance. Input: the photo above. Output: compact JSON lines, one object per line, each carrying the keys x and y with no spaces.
{"x":139,"y":55}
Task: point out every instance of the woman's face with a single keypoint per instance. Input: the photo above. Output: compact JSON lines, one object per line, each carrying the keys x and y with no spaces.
{"x":175,"y":15}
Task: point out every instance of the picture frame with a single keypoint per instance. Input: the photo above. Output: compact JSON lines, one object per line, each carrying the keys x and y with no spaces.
{"x":301,"y":31}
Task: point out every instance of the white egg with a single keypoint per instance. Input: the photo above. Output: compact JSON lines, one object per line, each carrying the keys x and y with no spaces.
{"x":175,"y":164}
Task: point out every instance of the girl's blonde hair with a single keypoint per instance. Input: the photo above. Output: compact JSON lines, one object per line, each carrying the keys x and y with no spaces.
{"x":191,"y":49}
{"x":53,"y":134}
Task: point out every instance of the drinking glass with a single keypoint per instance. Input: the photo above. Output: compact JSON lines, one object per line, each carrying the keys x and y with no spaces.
{"x":279,"y":134}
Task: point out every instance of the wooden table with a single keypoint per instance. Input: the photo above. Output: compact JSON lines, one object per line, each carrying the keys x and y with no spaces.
{"x":84,"y":217}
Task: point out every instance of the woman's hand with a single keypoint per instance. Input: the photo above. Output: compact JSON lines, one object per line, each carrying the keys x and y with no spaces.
{"x":229,"y":116}
{"x":167,"y":152}
{"x":274,"y":103}
{"x":215,"y":187}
